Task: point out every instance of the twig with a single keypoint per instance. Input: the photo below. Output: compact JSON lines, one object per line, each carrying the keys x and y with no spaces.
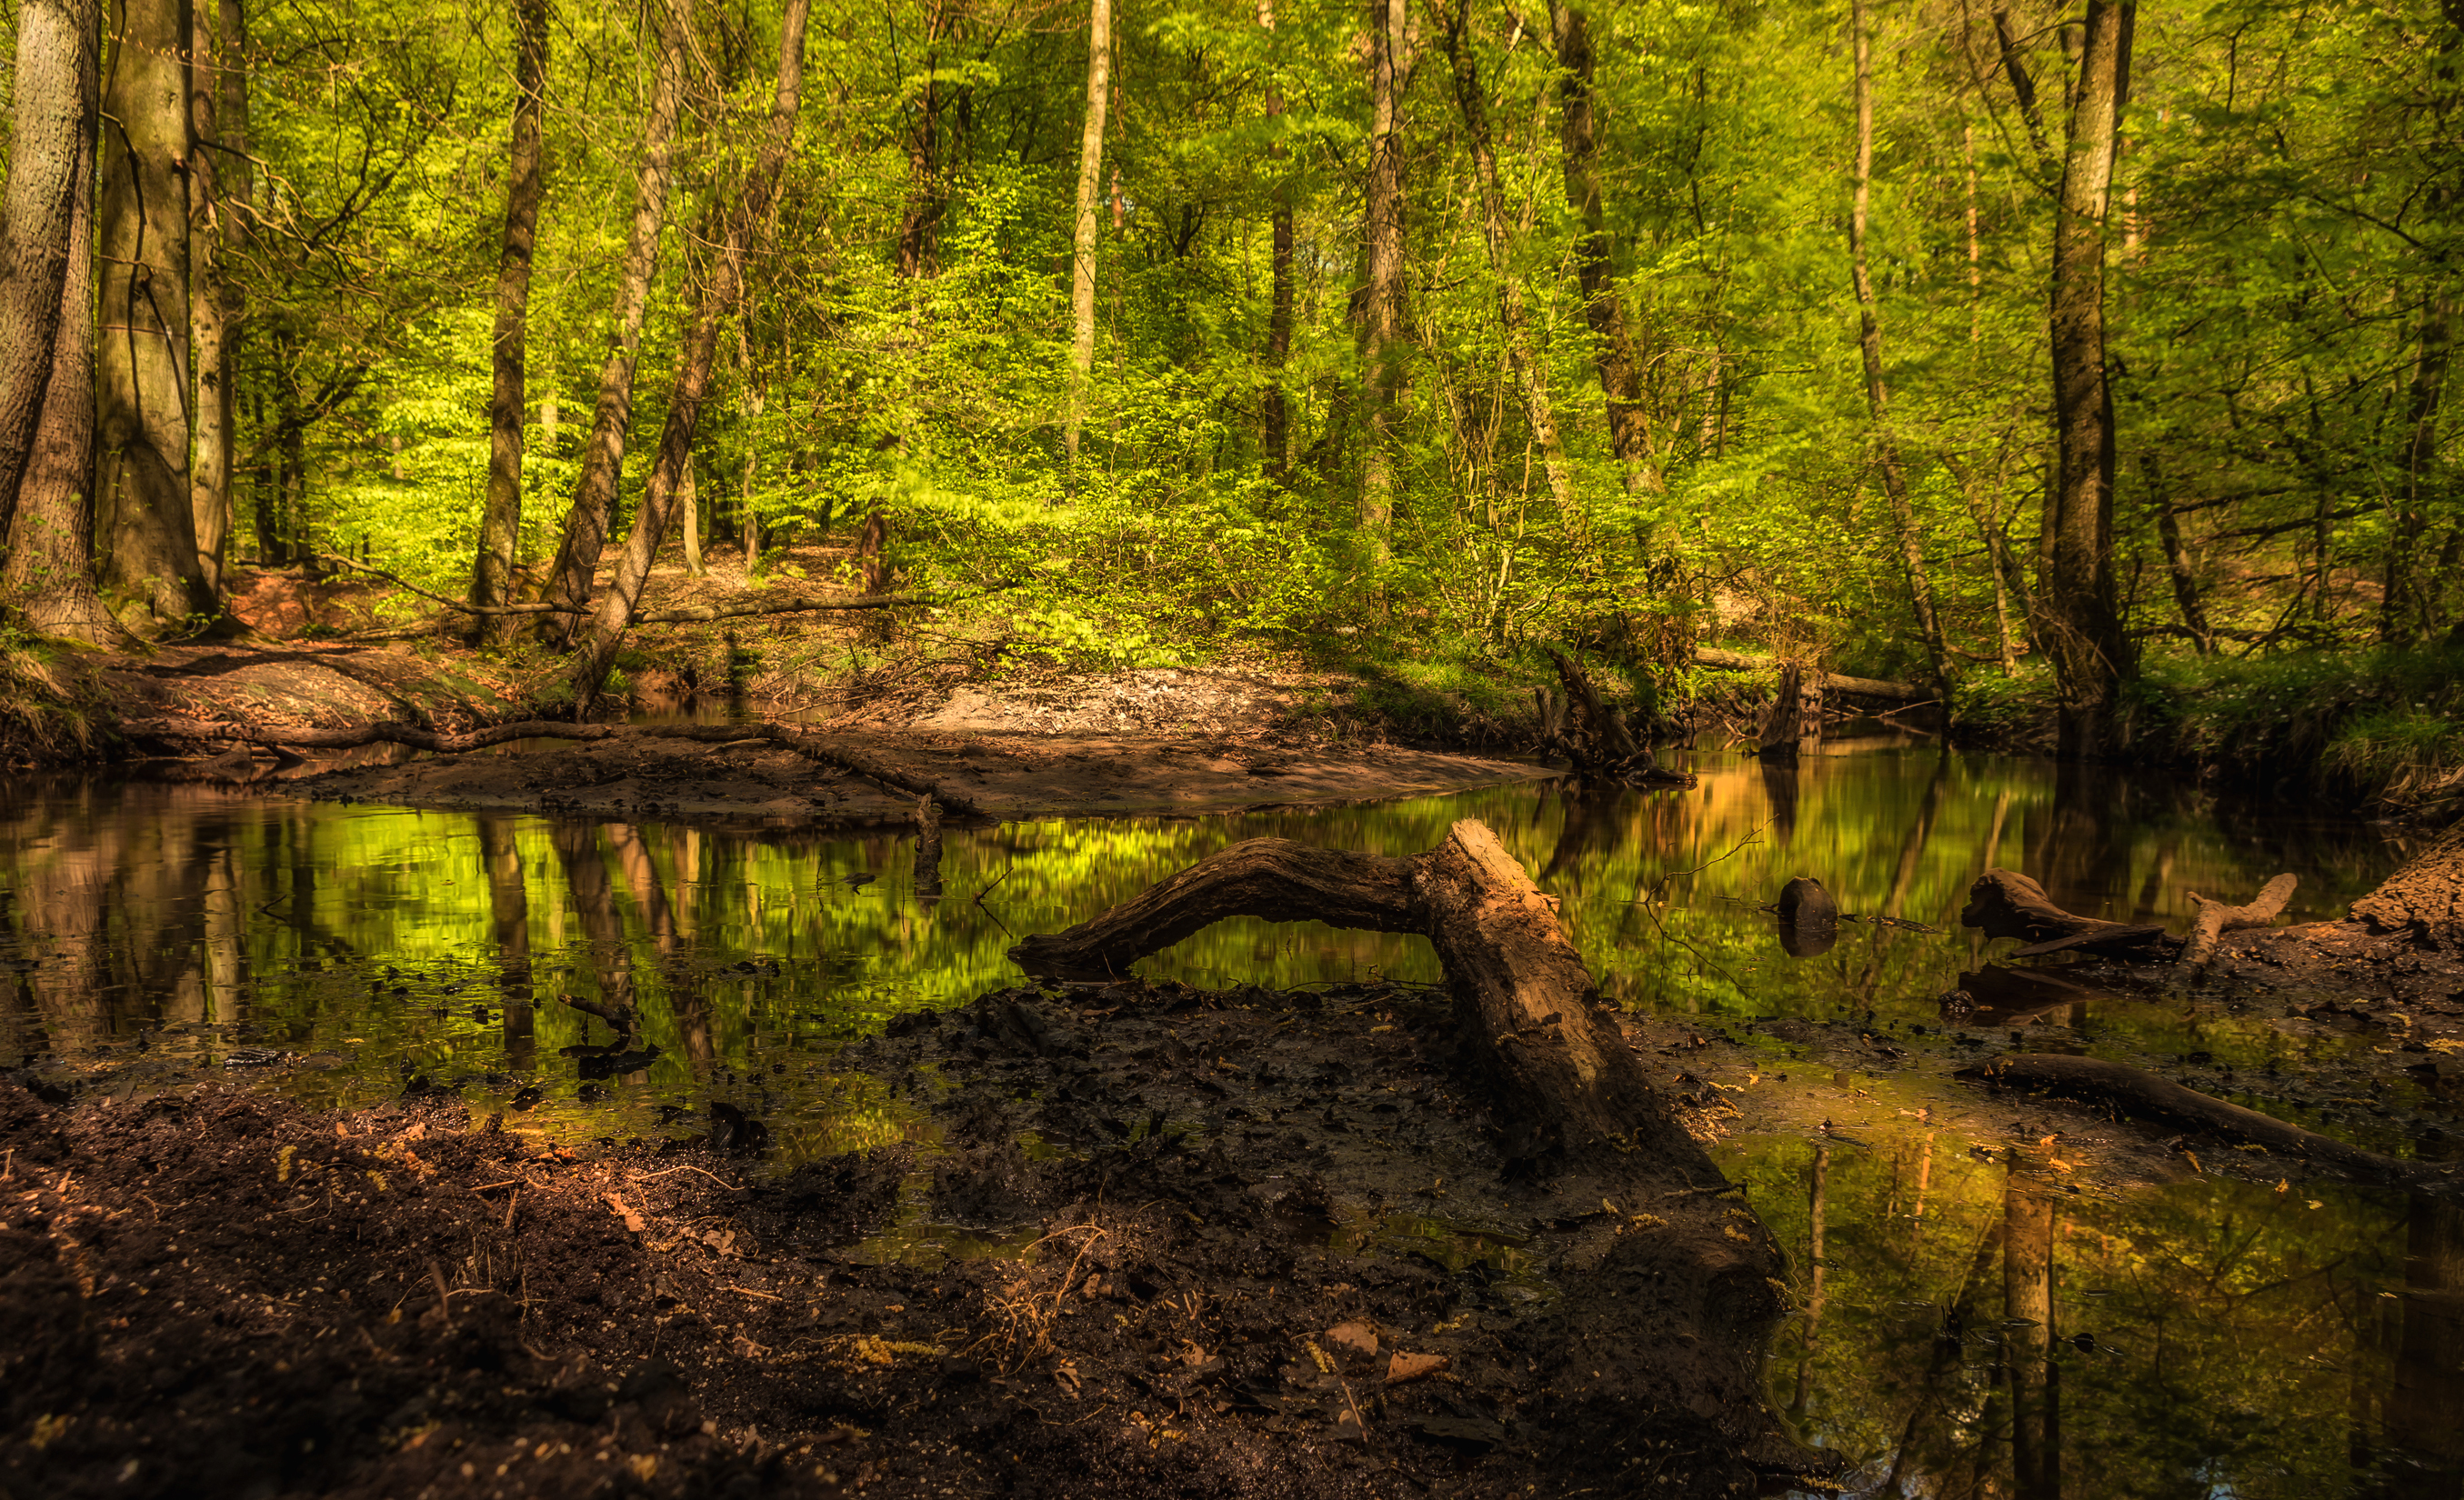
{"x":653,"y":1177}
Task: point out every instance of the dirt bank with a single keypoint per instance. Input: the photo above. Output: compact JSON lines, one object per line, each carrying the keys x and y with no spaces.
{"x":1006,"y":776}
{"x":1240,"y":1251}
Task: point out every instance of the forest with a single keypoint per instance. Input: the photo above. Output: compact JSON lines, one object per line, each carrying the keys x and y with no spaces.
{"x":2089,"y":375}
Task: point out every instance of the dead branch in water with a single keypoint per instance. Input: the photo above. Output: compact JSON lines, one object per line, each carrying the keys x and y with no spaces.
{"x":2138,"y":1094}
{"x":355,"y":736}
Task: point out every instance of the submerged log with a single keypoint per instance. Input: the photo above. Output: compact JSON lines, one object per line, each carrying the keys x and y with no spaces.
{"x":2005,"y":903}
{"x":1568,"y":1091}
{"x":352,"y":737}
{"x":1832,"y":681}
{"x":2215,"y":919}
{"x":2137,"y":1093}
{"x":1670,"y":1290}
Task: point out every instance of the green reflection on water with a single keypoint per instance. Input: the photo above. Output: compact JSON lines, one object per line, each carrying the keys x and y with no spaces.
{"x":2241,"y":1342}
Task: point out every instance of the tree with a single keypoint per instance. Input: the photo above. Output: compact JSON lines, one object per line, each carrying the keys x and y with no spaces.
{"x":501,"y":524}
{"x":602,"y":458}
{"x":1869,"y":346}
{"x":145,"y":520}
{"x":48,"y":146}
{"x":2080,"y":616}
{"x":1084,"y":229}
{"x":215,"y":54}
{"x":1612,"y":349}
{"x":740,"y":224}
{"x":1383,"y":315}
{"x":48,"y":579}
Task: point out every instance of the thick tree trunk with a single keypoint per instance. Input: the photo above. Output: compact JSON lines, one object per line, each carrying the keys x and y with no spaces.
{"x":1530,"y":375}
{"x":50,"y":175}
{"x":1869,"y":346}
{"x":1084,"y":229}
{"x":209,"y":298}
{"x":145,"y":528}
{"x":500,"y":522}
{"x":717,"y":303}
{"x":603,"y":459}
{"x":2080,"y":618}
{"x":1383,"y":314}
{"x":48,"y":582}
{"x":1612,"y":349}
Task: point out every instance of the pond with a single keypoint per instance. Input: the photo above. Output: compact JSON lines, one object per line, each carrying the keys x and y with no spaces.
{"x":2208,"y":1336}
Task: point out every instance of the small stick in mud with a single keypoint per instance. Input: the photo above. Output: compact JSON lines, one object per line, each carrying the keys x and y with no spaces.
{"x":2215,"y":919}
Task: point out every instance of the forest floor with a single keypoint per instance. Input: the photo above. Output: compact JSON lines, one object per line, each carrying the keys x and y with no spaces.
{"x":1157,"y":1242}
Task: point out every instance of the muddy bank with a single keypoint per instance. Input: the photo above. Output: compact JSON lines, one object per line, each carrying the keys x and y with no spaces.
{"x":1245,"y":1244}
{"x":1006,"y":776}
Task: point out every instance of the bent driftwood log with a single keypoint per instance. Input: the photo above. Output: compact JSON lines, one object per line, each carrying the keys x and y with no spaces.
{"x":1568,"y":1091}
{"x":2003,"y":903}
{"x":1669,"y":1286}
{"x":2136,"y":1094}
{"x":351,"y":737}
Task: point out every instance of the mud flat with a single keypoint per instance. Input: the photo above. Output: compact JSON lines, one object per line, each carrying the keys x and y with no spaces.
{"x":1004,"y":776}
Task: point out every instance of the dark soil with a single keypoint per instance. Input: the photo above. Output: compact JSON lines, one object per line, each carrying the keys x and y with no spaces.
{"x":1256,"y":1244}
{"x":757,"y":784}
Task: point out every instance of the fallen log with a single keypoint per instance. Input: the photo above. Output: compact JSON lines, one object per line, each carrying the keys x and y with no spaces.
{"x":1831,"y":681}
{"x":1666,"y":1286}
{"x":2215,"y":919}
{"x":353,"y":736}
{"x":2138,"y":1094}
{"x":2005,"y":903}
{"x":1571,"y":1090}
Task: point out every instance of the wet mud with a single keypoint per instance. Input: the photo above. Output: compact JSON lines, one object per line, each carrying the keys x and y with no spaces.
{"x":1156,"y":1240}
{"x":1009,"y":776}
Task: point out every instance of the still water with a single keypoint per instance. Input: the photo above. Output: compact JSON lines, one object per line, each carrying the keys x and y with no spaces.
{"x":2205,"y":1337}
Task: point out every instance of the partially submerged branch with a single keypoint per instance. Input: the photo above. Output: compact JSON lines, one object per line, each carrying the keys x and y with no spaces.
{"x":1570,"y":1090}
{"x":2003,"y":903}
{"x":2137,"y":1093}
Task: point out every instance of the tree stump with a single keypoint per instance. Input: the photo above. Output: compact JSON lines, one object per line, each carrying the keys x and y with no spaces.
{"x":1594,"y":737}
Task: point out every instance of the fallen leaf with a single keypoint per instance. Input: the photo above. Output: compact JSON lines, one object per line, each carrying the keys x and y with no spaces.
{"x":1403,"y":1369}
{"x":632,"y":1220}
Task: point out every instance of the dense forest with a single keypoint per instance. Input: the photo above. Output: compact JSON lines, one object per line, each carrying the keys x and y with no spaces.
{"x":2039,"y":356}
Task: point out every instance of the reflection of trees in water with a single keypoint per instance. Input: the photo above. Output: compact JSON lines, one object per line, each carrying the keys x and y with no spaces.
{"x":2234,"y":1334}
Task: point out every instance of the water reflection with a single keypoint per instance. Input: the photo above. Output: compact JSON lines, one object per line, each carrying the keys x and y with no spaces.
{"x":1972,"y":1326}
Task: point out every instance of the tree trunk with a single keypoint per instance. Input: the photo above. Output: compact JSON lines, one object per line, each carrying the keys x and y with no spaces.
{"x":919,"y":222}
{"x":1083,"y":231}
{"x":1275,"y":410}
{"x":145,"y":527}
{"x":2027,"y":1314}
{"x":501,"y":524}
{"x":1869,"y":345}
{"x":210,"y":295}
{"x":1531,"y":376}
{"x":603,"y":459}
{"x":51,"y":174}
{"x":716,"y":305}
{"x":1382,"y":313}
{"x":1612,"y":349}
{"x":748,"y":520}
{"x":2177,"y":561}
{"x":2080,"y":614}
{"x":48,"y":582}
{"x":689,"y":521}
{"x":2402,"y":616}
